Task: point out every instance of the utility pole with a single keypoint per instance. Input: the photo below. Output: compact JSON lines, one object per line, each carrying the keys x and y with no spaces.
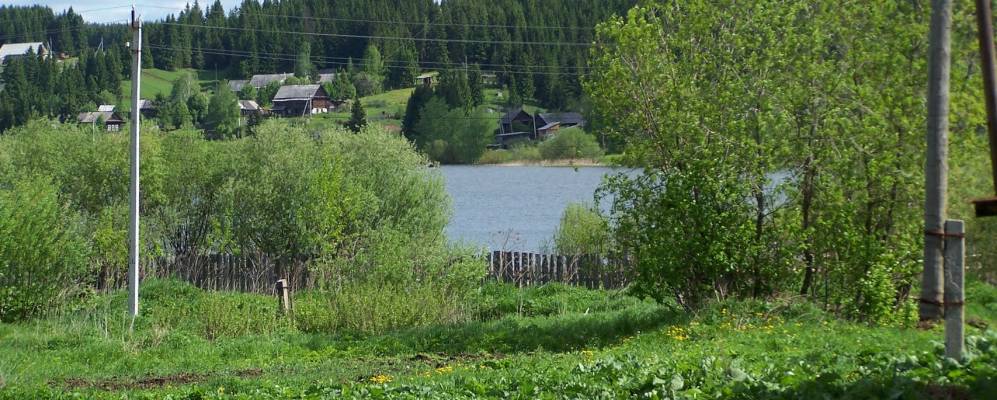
{"x":133,"y":197}
{"x":936,"y":170}
{"x":987,"y":207}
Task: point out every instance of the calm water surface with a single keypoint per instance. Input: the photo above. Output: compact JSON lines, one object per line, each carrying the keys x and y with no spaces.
{"x":515,"y":208}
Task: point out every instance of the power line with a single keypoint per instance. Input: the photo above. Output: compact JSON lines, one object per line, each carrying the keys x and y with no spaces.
{"x":400,"y":63}
{"x":282,"y":57}
{"x":354,"y":36}
{"x":415,"y":23}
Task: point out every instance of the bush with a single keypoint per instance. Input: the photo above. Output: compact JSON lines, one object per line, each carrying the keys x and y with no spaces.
{"x":570,"y":143}
{"x":42,"y":253}
{"x":583,"y":231}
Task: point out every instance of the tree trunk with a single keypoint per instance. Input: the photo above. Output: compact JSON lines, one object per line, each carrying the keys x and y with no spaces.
{"x":936,"y":170}
{"x":807,"y":205}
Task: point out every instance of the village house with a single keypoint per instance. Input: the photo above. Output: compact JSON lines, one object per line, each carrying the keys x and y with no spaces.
{"x":147,"y":108}
{"x":427,"y":79}
{"x":105,"y":115}
{"x":301,"y":100}
{"x":249,"y":108}
{"x":518,"y":126}
{"x":12,"y":50}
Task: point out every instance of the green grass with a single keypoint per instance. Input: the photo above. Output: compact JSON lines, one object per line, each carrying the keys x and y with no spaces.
{"x":157,"y":81}
{"x":547,"y":342}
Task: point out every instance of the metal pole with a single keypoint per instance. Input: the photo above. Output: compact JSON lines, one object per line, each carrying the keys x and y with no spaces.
{"x":985,"y":29}
{"x":955,"y":314}
{"x":133,"y":198}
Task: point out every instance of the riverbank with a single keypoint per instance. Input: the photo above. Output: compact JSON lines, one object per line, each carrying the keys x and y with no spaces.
{"x":571,"y":162}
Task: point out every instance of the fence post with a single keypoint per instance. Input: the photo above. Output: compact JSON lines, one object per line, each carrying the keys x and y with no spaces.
{"x":955,"y":252}
{"x":283,"y":296}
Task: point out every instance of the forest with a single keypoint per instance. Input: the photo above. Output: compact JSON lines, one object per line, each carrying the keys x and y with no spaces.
{"x":769,"y":216}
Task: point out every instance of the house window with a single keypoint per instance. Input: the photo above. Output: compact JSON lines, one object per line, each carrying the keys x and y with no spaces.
{"x":113,"y":127}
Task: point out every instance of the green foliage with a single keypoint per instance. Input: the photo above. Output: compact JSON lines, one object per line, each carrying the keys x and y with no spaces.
{"x":248,"y":92}
{"x":583,"y":231}
{"x":452,"y":136}
{"x":223,"y":112}
{"x":802,"y":192}
{"x":42,"y":253}
{"x":358,"y":117}
{"x":266,"y":94}
{"x":416,"y":102}
{"x":570,"y":143}
{"x":303,"y":67}
{"x":518,"y":153}
{"x":373,"y":65}
{"x":341,"y":88}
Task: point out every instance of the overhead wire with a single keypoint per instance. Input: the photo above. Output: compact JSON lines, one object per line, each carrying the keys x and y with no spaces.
{"x":411,"y":23}
{"x":380,"y":37}
{"x":288,"y":57}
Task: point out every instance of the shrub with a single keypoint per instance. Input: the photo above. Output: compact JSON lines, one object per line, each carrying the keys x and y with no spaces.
{"x":570,"y":143}
{"x":42,"y":252}
{"x":583,"y":230}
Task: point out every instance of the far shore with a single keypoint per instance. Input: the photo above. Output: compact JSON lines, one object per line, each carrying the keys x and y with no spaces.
{"x":573,"y":162}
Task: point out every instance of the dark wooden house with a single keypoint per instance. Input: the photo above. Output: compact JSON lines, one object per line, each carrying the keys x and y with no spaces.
{"x":105,"y":116}
{"x":301,"y":100}
{"x":147,"y":108}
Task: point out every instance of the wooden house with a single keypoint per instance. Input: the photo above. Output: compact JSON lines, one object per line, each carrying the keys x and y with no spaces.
{"x":301,"y":100}
{"x":147,"y":108}
{"x":249,"y":108}
{"x":105,"y":116}
{"x":518,"y":125}
{"x":427,"y":79}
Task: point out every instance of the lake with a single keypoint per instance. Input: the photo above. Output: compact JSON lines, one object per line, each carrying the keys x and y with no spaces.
{"x":515,"y":208}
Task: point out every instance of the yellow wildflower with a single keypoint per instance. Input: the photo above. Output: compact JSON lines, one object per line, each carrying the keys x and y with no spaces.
{"x":444,"y":369}
{"x":380,"y":379}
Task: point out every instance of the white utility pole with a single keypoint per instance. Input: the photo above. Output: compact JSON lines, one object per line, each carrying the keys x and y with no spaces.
{"x":133,"y":197}
{"x":936,"y":170}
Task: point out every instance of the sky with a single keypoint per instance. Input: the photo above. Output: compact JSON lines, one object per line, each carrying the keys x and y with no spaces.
{"x":101,"y":15}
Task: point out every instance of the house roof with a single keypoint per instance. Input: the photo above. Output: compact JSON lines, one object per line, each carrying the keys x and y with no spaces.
{"x":105,"y":108}
{"x":323,"y":78}
{"x":567,"y":118}
{"x":259,"y":81}
{"x":512,"y":115}
{"x":428,"y":75}
{"x":549,"y":125}
{"x":297,"y":92}
{"x":237,"y":85}
{"x":94,"y":116}
{"x":19,"y":49}
{"x":248,"y":105}
{"x":144,"y":104}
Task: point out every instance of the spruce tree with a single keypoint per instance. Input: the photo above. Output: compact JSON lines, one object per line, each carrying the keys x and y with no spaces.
{"x":358,"y":117}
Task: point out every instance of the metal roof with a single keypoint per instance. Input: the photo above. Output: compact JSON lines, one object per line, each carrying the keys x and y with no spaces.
{"x":296,"y":92}
{"x":19,"y":49}
{"x":567,"y":118}
{"x":259,"y":81}
{"x":94,"y":116}
{"x":248,"y":105}
{"x":144,"y":104}
{"x":105,"y":108}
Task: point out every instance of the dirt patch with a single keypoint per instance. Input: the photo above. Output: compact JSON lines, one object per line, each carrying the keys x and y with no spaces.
{"x":151,"y":382}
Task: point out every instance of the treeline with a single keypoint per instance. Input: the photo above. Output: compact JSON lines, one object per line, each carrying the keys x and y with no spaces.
{"x":43,"y":87}
{"x":259,"y":38}
{"x":65,"y":32}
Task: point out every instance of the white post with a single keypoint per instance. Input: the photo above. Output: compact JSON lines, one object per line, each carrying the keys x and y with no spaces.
{"x":955,"y":254}
{"x":133,"y":198}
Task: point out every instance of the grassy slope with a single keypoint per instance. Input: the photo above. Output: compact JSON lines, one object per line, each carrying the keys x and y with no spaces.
{"x":156,"y":81}
{"x":188,"y":341}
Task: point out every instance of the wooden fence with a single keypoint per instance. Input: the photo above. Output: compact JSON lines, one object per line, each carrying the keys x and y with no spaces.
{"x":255,"y":274}
{"x":258,"y":273}
{"x":527,"y":269}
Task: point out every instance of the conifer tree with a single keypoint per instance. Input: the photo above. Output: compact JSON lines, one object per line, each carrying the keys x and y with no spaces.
{"x":358,"y":117}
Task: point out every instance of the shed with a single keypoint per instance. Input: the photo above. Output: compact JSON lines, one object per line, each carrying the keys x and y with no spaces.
{"x":249,"y":107}
{"x":147,"y":108}
{"x":427,"y":79}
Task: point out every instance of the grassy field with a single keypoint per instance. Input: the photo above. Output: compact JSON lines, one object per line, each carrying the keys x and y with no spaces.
{"x":548,"y":342}
{"x":157,"y":81}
